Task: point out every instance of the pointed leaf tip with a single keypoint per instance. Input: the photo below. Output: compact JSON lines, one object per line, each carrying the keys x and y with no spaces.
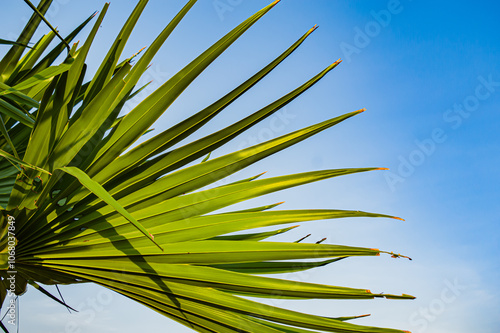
{"x":398,"y":255}
{"x":312,"y":29}
{"x":300,"y":240}
{"x":321,"y":240}
{"x":358,"y":111}
{"x":403,"y":296}
{"x":333,"y":65}
{"x":398,"y":218}
{"x":382,"y":169}
{"x":137,"y":53}
{"x":275,"y":3}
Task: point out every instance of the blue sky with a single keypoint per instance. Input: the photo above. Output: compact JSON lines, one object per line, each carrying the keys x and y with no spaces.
{"x":428,"y":74}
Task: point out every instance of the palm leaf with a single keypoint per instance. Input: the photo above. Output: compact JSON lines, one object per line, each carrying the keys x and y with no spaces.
{"x":83,"y":196}
{"x":9,"y":42}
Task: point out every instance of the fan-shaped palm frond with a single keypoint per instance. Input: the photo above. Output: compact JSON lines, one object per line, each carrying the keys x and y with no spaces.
{"x":80,"y":203}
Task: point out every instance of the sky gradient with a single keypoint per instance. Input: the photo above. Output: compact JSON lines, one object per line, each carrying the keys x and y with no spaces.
{"x":428,"y":75}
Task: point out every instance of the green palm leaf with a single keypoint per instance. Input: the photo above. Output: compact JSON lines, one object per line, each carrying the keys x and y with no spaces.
{"x":86,"y":202}
{"x":10,"y":42}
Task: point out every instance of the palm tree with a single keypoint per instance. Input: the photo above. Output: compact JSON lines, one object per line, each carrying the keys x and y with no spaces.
{"x":80,"y":203}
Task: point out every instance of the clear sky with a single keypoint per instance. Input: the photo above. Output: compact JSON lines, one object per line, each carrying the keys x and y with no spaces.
{"x":428,"y":74}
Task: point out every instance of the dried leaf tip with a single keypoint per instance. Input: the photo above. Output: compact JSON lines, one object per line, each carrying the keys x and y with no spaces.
{"x":321,"y":240}
{"x":335,"y":64}
{"x":140,"y":50}
{"x":382,"y":169}
{"x":135,"y":55}
{"x":274,"y":3}
{"x":394,"y":255}
{"x":398,"y":218}
{"x":359,"y":111}
{"x":280,"y":203}
{"x":312,"y":29}
{"x":95,"y":13}
{"x":300,"y":240}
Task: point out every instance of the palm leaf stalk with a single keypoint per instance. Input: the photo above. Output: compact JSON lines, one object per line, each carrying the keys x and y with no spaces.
{"x":80,"y":203}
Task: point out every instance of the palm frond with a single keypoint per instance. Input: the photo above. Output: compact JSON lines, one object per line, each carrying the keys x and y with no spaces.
{"x":80,"y":203}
